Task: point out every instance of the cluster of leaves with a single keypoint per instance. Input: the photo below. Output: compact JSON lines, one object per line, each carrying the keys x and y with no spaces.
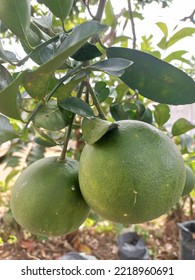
{"x":75,"y":74}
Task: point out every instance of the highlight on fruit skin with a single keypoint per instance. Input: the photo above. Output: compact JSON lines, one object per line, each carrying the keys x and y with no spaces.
{"x":46,"y":198}
{"x":133,"y":174}
{"x":189,"y":182}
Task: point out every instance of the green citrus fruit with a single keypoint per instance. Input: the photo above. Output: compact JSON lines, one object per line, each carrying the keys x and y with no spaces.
{"x":190,"y":181}
{"x":133,"y":174}
{"x":46,"y":198}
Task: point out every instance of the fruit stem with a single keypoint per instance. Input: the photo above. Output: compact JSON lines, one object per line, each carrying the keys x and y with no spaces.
{"x":95,"y":101}
{"x":62,"y":157}
{"x":67,"y":137}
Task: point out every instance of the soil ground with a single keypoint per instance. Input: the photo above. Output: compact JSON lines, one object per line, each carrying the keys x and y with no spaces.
{"x":161,"y":237}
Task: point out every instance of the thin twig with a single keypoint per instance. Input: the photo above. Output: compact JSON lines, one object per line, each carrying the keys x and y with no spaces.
{"x":69,"y":130}
{"x":50,"y":94}
{"x":100,"y":10}
{"x":95,"y":101}
{"x":132,"y":23}
{"x":190,"y":17}
{"x":98,"y":17}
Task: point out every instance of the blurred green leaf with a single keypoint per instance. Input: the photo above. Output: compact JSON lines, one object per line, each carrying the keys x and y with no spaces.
{"x":6,"y":130}
{"x":111,"y":66}
{"x":110,"y":16}
{"x":7,"y":56}
{"x":67,"y":88}
{"x":36,"y":82}
{"x":163,"y":28}
{"x":147,"y":116}
{"x":16,"y":16}
{"x":36,"y":152}
{"x":60,"y":8}
{"x":117,"y":111}
{"x":101,"y":91}
{"x":10,"y":98}
{"x":161,"y":114}
{"x":163,"y":42}
{"x":181,"y":126}
{"x":50,"y":117}
{"x":43,"y":139}
{"x":179,"y":35}
{"x":44,"y":21}
{"x":154,"y":78}
{"x":177,"y":55}
{"x":86,"y":52}
{"x":76,"y":106}
{"x":93,"y":129}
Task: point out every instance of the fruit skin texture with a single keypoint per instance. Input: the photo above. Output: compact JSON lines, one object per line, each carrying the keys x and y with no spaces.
{"x":133,"y":174}
{"x":190,"y":181}
{"x":46,"y":198}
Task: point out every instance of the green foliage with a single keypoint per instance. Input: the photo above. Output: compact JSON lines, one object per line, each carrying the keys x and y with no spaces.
{"x":154,"y":78}
{"x":166,"y":42}
{"x":94,"y":128}
{"x":181,"y":126}
{"x":59,"y":8}
{"x":16,"y":16}
{"x":161,"y":114}
{"x":84,"y":72}
{"x":6,"y":130}
{"x":77,"y":106}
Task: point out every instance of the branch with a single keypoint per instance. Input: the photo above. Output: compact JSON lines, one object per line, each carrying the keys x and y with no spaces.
{"x":190,"y":17}
{"x":132,"y":23}
{"x":95,"y":101}
{"x":100,"y":10}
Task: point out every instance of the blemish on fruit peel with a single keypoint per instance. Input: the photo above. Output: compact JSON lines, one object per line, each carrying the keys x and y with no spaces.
{"x":135,"y":198}
{"x":24,"y":184}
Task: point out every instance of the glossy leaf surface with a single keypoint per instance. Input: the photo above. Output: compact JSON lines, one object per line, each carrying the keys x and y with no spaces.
{"x":154,"y":78}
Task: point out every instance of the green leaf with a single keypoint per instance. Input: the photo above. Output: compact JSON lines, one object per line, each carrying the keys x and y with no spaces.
{"x":163,"y":28}
{"x":43,"y":139}
{"x":101,"y":91}
{"x":87,"y":52}
{"x":121,"y":89}
{"x":184,"y":32}
{"x":110,"y":16}
{"x":50,"y":117}
{"x":6,"y":130}
{"x":36,"y":153}
{"x":44,"y":21}
{"x":60,"y":8}
{"x":177,"y":55}
{"x":154,"y":78}
{"x":163,"y":42}
{"x":7,"y":56}
{"x":76,"y":106}
{"x":10,"y":96}
{"x":36,"y":82}
{"x":5,"y":77}
{"x":181,"y":126}
{"x":147,"y":116}
{"x":117,"y":111}
{"x":11,"y":175}
{"x":36,"y":37}
{"x":111,"y":66}
{"x":161,"y":114}
{"x":67,"y":88}
{"x":16,"y":16}
{"x":93,"y":129}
